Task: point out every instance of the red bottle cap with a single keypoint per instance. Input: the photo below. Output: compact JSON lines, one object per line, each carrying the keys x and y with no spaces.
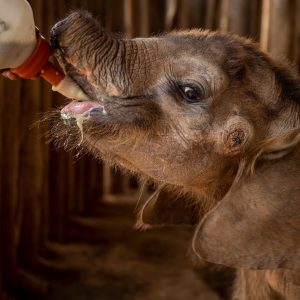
{"x":38,"y":64}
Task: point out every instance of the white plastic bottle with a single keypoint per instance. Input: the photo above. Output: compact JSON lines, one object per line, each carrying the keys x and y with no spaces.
{"x":17,"y":33}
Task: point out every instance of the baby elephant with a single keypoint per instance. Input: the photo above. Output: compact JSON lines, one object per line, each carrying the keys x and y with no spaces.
{"x":207,"y":114}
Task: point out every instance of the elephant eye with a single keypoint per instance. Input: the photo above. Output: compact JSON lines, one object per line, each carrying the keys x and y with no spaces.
{"x":190,"y":93}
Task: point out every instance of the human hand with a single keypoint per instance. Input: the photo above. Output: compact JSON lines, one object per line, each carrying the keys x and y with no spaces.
{"x":10,"y":75}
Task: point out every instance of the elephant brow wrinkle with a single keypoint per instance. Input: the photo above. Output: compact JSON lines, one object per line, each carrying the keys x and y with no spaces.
{"x":134,"y":97}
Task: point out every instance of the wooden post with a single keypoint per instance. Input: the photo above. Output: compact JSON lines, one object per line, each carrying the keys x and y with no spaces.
{"x":191,"y":14}
{"x":295,"y":51}
{"x":30,"y":176}
{"x":171,"y":13}
{"x":255,"y":19}
{"x":1,"y":176}
{"x":265,"y":25}
{"x":31,"y":170}
{"x":46,"y":20}
{"x":212,"y":14}
{"x":131,"y":18}
{"x":278,"y":18}
{"x":114,"y":15}
{"x":93,"y":187}
{"x":10,"y":145}
{"x":157,"y":16}
{"x":237,"y":15}
{"x":144,"y":18}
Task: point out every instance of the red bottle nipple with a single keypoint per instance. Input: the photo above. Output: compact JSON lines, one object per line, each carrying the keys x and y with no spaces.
{"x":38,"y":64}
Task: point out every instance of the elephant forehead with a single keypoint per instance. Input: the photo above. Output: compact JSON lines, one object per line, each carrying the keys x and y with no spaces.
{"x":199,"y":66}
{"x":183,"y":58}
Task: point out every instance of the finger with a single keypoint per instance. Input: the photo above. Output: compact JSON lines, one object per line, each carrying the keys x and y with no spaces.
{"x":10,"y":75}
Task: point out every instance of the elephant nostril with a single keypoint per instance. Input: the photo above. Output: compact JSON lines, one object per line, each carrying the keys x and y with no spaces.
{"x":54,"y":34}
{"x":54,"y":39}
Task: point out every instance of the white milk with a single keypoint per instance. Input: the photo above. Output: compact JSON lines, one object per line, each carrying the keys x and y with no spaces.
{"x":17,"y":33}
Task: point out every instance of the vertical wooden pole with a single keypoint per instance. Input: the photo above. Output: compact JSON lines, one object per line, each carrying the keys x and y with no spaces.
{"x":9,"y":188}
{"x":93,"y":189}
{"x":265,"y":25}
{"x":30,"y":176}
{"x":114,"y":15}
{"x":1,"y":176}
{"x":58,"y":192}
{"x":171,"y":13}
{"x":224,"y":16}
{"x":191,"y":14}
{"x":132,"y":18}
{"x":31,"y":168}
{"x":157,"y":12}
{"x":295,"y":50}
{"x":212,"y":14}
{"x":237,"y":15}
{"x":277,"y":27}
{"x":255,"y":19}
{"x":144,"y":18}
{"x":47,"y":21}
{"x":82,"y":177}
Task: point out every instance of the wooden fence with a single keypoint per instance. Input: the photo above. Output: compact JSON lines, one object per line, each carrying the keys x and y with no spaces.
{"x":40,"y":188}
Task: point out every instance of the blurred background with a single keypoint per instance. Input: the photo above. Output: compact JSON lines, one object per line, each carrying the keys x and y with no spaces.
{"x":66,"y":221}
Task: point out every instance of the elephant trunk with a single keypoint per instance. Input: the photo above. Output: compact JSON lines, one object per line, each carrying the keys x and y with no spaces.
{"x":110,"y":62}
{"x":118,"y":63}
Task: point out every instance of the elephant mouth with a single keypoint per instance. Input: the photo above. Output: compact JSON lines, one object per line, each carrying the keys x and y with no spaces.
{"x":81,"y":109}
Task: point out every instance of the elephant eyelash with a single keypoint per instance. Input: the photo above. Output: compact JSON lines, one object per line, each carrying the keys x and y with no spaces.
{"x":175,"y":87}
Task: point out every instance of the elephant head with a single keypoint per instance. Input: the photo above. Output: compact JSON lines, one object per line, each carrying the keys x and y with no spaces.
{"x":205,"y":113}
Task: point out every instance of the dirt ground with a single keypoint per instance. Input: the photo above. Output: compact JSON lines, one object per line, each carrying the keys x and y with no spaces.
{"x":104,"y":258}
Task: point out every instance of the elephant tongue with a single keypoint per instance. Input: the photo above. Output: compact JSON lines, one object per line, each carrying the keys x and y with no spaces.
{"x":76,"y":108}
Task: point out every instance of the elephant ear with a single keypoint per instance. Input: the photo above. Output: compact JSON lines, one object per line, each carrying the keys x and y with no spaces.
{"x":257,"y":224}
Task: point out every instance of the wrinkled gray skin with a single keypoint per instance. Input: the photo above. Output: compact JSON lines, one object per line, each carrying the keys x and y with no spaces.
{"x":207,"y":114}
